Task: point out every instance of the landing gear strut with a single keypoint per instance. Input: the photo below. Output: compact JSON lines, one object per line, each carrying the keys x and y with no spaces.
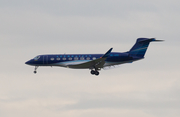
{"x":35,"y":69}
{"x":94,"y":72}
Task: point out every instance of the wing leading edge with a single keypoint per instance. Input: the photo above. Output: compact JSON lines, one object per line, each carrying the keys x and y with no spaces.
{"x":94,"y":64}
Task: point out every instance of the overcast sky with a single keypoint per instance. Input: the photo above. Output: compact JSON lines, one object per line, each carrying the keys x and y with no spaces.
{"x":146,"y":88}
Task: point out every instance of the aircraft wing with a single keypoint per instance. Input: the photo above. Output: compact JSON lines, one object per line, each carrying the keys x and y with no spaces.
{"x":98,"y":63}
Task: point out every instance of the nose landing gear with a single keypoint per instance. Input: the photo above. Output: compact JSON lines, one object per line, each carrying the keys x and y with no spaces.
{"x":35,"y":69}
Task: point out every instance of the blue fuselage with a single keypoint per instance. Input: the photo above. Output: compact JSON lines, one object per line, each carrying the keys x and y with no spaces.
{"x":64,"y":60}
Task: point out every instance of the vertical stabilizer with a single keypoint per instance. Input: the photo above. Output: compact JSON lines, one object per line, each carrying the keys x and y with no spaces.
{"x":140,"y":47}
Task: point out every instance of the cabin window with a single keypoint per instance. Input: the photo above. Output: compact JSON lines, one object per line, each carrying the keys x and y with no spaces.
{"x":94,"y":58}
{"x":82,"y":58}
{"x":70,"y":58}
{"x":87,"y":58}
{"x":64,"y":59}
{"x":52,"y":59}
{"x":58,"y":59}
{"x":75,"y":58}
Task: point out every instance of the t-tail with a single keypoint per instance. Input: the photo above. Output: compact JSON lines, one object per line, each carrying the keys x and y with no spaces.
{"x":140,"y":47}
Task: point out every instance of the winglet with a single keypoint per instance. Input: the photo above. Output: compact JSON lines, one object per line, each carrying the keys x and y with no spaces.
{"x":107,"y":53}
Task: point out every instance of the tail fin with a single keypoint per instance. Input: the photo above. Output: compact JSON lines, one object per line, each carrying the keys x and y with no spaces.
{"x":140,"y":47}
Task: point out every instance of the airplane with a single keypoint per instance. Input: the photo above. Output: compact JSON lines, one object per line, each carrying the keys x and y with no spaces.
{"x":94,"y":62}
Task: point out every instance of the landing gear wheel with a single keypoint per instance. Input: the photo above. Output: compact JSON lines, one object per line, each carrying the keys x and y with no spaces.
{"x":35,"y":69}
{"x":92,"y":72}
{"x":96,"y":73}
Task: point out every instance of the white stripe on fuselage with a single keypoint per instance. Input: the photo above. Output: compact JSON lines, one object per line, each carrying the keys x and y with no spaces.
{"x":76,"y":62}
{"x":66,"y":63}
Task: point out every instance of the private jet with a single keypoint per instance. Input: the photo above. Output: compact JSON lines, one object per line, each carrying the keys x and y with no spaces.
{"x":94,"y":62}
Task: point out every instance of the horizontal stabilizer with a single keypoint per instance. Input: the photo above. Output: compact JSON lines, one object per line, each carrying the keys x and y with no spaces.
{"x":158,"y":40}
{"x":154,"y":39}
{"x":148,"y":40}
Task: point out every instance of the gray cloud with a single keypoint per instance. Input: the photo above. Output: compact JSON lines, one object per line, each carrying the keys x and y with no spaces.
{"x":146,"y":88}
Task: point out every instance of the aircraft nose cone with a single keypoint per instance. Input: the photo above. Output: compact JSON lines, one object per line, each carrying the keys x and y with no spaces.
{"x":28,"y":62}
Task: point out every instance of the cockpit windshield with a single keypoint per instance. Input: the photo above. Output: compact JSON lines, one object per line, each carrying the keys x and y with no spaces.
{"x":36,"y":58}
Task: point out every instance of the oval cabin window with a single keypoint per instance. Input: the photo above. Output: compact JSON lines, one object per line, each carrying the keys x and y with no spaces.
{"x":75,"y":58}
{"x":52,"y":59}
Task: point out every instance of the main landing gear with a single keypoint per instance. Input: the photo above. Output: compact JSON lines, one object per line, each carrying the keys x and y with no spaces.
{"x":94,"y":72}
{"x":35,"y":69}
